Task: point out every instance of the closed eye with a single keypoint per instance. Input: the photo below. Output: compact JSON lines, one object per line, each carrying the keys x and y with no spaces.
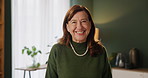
{"x":83,"y":21}
{"x":73,"y":22}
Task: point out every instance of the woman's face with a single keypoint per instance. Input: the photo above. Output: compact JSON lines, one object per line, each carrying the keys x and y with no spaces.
{"x":79,"y":27}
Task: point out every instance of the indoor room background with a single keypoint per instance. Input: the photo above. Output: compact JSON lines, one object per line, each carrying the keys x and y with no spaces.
{"x":122,"y":24}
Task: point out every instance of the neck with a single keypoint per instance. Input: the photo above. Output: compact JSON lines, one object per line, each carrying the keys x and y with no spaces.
{"x":77,"y":41}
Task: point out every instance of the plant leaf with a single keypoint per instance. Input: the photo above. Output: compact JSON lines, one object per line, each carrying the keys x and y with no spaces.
{"x":40,"y":51}
{"x":33,"y":48}
{"x":25,"y":47}
{"x":32,"y":55}
{"x":29,"y":52}
{"x":35,"y":53}
{"x":23,"y":51}
{"x":38,"y":64}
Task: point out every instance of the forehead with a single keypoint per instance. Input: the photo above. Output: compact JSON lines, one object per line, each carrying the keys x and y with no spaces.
{"x":80,"y":15}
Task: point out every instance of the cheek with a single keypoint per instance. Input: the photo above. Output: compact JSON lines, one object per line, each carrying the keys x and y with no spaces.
{"x":88,"y":28}
{"x":70,"y":29}
{"x":67,"y":27}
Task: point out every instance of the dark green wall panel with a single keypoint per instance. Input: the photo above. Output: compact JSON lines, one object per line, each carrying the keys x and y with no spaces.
{"x":123,"y":25}
{"x":86,"y":3}
{"x":8,"y":52}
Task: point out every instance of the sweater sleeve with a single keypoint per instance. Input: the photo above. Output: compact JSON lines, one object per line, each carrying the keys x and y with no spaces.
{"x":51,"y":71}
{"x":107,"y":68}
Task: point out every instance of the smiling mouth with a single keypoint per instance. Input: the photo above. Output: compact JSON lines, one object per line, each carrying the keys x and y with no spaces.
{"x":80,"y":32}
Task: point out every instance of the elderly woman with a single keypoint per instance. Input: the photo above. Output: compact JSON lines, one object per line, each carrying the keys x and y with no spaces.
{"x":77,"y":55}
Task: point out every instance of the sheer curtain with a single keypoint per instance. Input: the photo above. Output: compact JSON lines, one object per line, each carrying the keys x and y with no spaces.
{"x":35,"y":23}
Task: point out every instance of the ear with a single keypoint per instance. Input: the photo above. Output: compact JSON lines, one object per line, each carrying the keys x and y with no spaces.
{"x":67,"y":27}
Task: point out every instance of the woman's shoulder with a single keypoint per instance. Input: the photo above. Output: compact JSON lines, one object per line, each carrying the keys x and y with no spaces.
{"x":100,"y":48}
{"x":58,"y":45}
{"x":56,"y":48}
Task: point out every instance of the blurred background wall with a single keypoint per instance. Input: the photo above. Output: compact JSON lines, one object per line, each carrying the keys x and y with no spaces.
{"x":123,"y":25}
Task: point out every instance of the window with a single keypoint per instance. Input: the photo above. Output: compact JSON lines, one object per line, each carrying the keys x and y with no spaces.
{"x":38,"y":23}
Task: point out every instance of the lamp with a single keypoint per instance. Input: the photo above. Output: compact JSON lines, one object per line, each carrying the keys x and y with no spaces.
{"x":96,"y":37}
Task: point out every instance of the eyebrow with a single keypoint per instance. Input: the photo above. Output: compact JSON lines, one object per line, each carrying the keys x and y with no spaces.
{"x":81,"y":19}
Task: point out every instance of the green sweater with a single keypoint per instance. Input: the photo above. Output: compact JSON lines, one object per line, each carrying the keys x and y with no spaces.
{"x":63,"y":63}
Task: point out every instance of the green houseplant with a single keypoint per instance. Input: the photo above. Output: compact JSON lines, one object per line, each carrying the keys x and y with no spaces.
{"x":32,"y":52}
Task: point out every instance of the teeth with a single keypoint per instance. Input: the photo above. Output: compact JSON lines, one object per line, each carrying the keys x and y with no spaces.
{"x":80,"y":32}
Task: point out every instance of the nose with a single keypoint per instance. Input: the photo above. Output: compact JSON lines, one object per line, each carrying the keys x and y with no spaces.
{"x":79,"y":25}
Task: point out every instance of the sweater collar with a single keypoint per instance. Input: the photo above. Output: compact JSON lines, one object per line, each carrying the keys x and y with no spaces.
{"x":79,"y":46}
